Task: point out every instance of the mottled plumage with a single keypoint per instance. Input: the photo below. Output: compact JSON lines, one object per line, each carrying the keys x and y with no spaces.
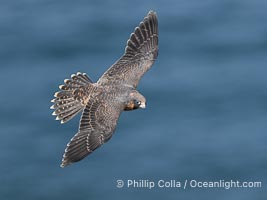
{"x":114,"y":92}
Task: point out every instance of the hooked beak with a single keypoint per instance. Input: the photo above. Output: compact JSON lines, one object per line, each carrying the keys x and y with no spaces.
{"x":143,"y":105}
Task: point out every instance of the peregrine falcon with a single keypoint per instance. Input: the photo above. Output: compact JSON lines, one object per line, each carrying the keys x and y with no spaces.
{"x":102,"y":102}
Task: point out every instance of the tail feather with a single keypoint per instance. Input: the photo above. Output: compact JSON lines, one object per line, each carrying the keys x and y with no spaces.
{"x":68,"y":114}
{"x":82,"y":77}
{"x":76,"y":81}
{"x":65,"y":109}
{"x":66,"y":103}
{"x":58,"y":103}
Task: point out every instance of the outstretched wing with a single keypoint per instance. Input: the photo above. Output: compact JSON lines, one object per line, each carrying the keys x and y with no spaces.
{"x":140,"y":53}
{"x":98,"y":122}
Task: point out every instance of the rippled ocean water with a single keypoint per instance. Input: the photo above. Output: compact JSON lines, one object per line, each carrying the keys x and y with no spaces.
{"x":206,"y":99}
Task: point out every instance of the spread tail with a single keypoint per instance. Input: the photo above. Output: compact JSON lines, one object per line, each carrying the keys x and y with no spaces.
{"x":68,"y":102}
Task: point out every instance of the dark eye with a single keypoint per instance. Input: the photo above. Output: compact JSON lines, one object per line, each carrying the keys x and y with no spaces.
{"x":137,"y":103}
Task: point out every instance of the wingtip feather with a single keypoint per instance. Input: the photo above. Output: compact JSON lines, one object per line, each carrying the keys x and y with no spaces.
{"x":152,"y":12}
{"x":65,"y":162}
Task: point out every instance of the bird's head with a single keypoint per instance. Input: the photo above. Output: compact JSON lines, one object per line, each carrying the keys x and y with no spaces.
{"x":136,"y":100}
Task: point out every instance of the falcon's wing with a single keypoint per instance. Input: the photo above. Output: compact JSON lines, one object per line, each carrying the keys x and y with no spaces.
{"x":140,"y":53}
{"x":97,"y":124}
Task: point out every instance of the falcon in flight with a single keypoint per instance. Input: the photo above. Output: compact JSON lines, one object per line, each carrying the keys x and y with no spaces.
{"x":102,"y":102}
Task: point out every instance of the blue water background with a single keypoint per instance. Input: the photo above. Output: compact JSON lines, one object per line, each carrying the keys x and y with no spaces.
{"x":206,"y":116}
